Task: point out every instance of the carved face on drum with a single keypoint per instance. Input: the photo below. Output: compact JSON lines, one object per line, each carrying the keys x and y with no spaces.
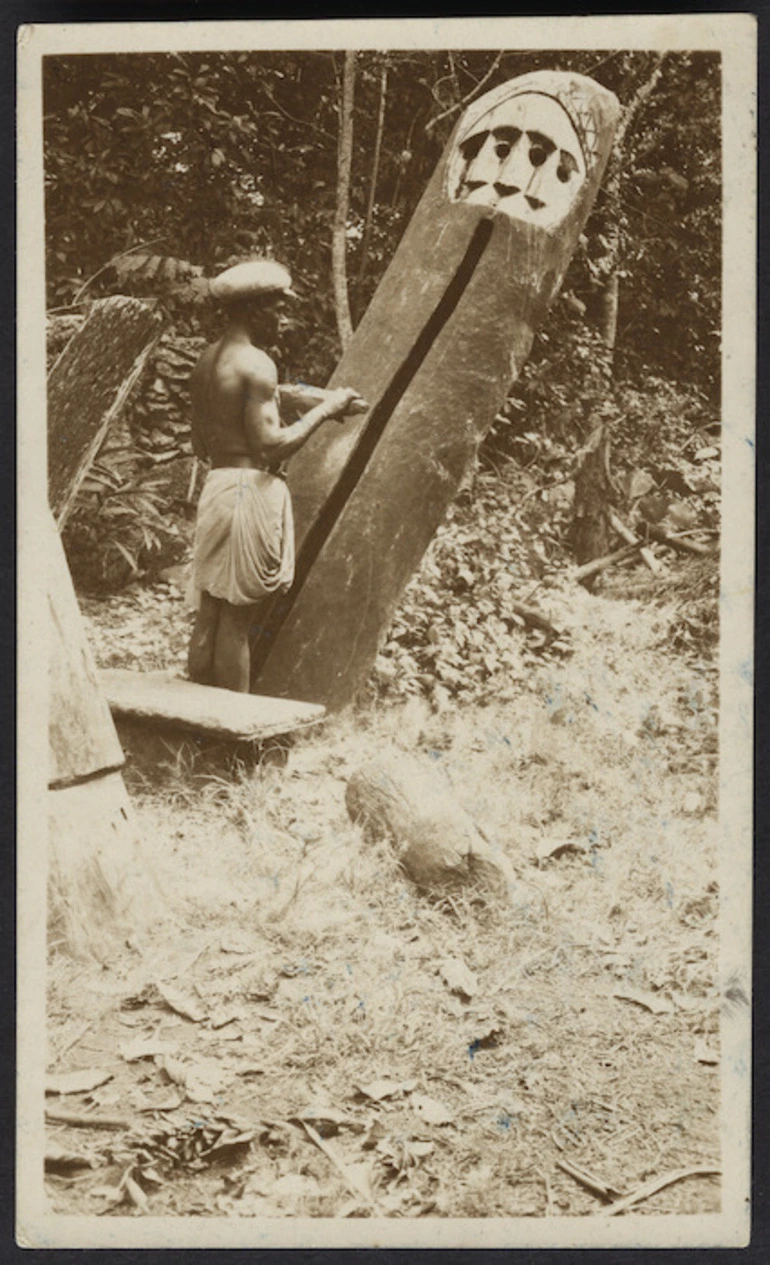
{"x":522,"y":157}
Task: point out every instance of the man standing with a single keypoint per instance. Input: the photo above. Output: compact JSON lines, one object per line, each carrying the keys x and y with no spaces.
{"x":244,"y":535}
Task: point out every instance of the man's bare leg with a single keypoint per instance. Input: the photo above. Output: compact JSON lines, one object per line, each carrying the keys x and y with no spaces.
{"x":232,"y":657}
{"x":200,"y":654}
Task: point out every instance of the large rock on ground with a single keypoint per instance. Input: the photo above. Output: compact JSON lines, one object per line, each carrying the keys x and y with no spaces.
{"x":440,"y":847}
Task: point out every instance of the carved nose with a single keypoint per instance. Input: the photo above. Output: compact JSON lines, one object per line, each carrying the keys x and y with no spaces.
{"x":541,"y":178}
{"x":484,"y":168}
{"x":516,"y":170}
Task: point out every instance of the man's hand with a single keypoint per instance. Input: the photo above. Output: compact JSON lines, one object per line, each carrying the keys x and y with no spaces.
{"x":263,"y":427}
{"x":343,"y":401}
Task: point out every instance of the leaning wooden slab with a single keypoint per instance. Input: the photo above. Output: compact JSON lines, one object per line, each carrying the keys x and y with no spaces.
{"x":88,"y":387}
{"x":170,"y":702}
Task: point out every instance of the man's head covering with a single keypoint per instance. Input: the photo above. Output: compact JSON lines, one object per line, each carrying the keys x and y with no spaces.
{"x":252,"y":279}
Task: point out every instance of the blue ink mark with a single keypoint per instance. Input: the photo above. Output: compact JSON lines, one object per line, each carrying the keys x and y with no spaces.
{"x":504,"y":1120}
{"x":669,"y":895}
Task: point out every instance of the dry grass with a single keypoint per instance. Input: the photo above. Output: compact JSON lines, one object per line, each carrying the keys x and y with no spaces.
{"x":279,"y":909}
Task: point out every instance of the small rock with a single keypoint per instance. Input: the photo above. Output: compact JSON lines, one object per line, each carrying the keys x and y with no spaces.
{"x":458,"y":978}
{"x":702,"y":1053}
{"x":430,"y":1110}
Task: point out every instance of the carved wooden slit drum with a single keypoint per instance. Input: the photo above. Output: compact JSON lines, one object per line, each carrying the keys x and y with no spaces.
{"x":447,"y":331}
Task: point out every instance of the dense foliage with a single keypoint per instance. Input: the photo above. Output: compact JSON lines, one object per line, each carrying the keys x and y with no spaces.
{"x":162,"y":169}
{"x":209,"y":157}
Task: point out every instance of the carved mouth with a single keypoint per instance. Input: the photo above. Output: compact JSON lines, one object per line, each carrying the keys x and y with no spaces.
{"x":499,"y":191}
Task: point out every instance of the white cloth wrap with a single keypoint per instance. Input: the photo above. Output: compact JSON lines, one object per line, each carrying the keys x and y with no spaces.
{"x":244,"y":537}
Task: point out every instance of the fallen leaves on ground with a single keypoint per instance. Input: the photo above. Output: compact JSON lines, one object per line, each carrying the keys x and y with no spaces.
{"x":77,"y":1082}
{"x":447,"y":1058}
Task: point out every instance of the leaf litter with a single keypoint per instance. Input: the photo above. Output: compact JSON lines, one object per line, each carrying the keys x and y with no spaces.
{"x":536,"y":1048}
{"x":77,"y":1082}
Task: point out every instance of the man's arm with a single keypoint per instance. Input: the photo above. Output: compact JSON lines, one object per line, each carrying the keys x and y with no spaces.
{"x":266,"y":438}
{"x":298,"y":398}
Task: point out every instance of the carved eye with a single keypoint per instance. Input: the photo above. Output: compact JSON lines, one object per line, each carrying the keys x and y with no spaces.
{"x":540,"y":147}
{"x":470,"y":147}
{"x":566,"y":167}
{"x":505,"y":138}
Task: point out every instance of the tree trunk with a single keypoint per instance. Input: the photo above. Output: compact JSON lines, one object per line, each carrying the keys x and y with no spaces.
{"x":611,"y":261}
{"x":610,"y":300}
{"x":593,"y":501}
{"x":439,"y":846}
{"x":375,"y":173}
{"x":88,"y":387}
{"x":339,"y":238}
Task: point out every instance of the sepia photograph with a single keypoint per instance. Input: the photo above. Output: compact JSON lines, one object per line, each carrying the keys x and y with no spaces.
{"x":386,"y":653}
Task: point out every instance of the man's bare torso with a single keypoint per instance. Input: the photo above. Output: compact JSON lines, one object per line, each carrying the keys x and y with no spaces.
{"x":225,"y":372}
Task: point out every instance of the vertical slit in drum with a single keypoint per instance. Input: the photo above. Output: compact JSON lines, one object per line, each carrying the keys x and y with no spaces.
{"x":361,"y":454}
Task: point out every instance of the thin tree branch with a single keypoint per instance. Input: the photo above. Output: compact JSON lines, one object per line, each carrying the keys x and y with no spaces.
{"x":677,"y":542}
{"x":612,"y":181}
{"x":626,"y":534}
{"x":85,"y":1121}
{"x":600,"y":564}
{"x":460,"y":105}
{"x":656,"y":1184}
{"x":595,"y":66}
{"x":637,"y":101}
{"x":292,"y":118}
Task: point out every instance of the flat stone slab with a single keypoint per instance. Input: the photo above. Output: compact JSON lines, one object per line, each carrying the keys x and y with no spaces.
{"x":169,"y":701}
